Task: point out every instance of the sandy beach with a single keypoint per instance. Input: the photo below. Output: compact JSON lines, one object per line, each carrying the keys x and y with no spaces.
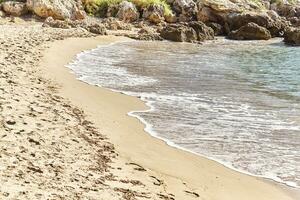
{"x":184,"y":175}
{"x":65,"y":139}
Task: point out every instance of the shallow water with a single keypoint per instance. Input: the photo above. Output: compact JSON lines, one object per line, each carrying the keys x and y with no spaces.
{"x":234,"y":102}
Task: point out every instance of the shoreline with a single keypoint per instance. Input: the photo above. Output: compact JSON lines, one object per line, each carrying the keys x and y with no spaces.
{"x":149,"y":130}
{"x":243,"y":186}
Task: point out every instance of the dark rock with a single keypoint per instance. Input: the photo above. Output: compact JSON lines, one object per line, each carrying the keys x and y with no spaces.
{"x":218,"y":28}
{"x":34,"y":141}
{"x":11,"y":122}
{"x":203,"y":32}
{"x":251,"y":31}
{"x":179,"y":33}
{"x":187,"y":32}
{"x":292,"y":36}
{"x":295,"y":21}
{"x":275,"y":26}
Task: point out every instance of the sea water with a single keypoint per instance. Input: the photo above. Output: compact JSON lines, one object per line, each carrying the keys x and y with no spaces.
{"x":234,"y":102}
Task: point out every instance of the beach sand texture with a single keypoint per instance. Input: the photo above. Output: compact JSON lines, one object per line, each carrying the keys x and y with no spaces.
{"x":64,"y":139}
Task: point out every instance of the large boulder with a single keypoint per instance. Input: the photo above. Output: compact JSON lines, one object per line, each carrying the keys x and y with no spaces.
{"x":127,"y":12}
{"x":187,"y":32}
{"x":250,"y":31}
{"x":218,"y":28}
{"x":179,"y":33}
{"x":66,"y":9}
{"x":275,"y":25}
{"x":292,"y":36}
{"x":186,"y":9}
{"x":216,"y":10}
{"x":154,"y":13}
{"x":14,"y":8}
{"x":203,"y":32}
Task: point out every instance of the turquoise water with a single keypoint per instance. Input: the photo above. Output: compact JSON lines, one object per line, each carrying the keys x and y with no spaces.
{"x":235,"y":102}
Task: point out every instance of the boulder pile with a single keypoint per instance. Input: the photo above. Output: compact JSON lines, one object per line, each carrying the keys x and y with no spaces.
{"x":176,"y":20}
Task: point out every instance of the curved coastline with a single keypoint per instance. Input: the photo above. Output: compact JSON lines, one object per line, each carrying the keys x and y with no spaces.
{"x":149,"y":127}
{"x":68,"y":49}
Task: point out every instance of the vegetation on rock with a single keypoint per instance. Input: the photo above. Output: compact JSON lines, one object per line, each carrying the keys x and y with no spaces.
{"x":99,"y":7}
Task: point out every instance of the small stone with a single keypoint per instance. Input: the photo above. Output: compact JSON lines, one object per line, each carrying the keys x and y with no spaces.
{"x":6,"y":194}
{"x":10,"y":122}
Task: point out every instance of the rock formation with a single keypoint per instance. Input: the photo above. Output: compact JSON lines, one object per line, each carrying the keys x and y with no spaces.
{"x":187,"y":32}
{"x":14,"y":8}
{"x":292,"y":36}
{"x":178,"y":20}
{"x":250,"y":31}
{"x":127,"y":12}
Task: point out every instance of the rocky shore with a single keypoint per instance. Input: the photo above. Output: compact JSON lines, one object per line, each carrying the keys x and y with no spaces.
{"x":175,"y":20}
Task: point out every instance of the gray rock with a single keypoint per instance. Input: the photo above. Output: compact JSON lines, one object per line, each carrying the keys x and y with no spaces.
{"x":154,"y":13}
{"x":127,"y":12}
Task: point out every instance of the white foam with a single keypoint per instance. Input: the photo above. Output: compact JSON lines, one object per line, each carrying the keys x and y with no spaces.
{"x":149,"y":129}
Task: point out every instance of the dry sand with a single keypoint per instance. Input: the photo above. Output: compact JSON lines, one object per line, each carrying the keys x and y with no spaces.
{"x":48,"y":148}
{"x":63,"y":139}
